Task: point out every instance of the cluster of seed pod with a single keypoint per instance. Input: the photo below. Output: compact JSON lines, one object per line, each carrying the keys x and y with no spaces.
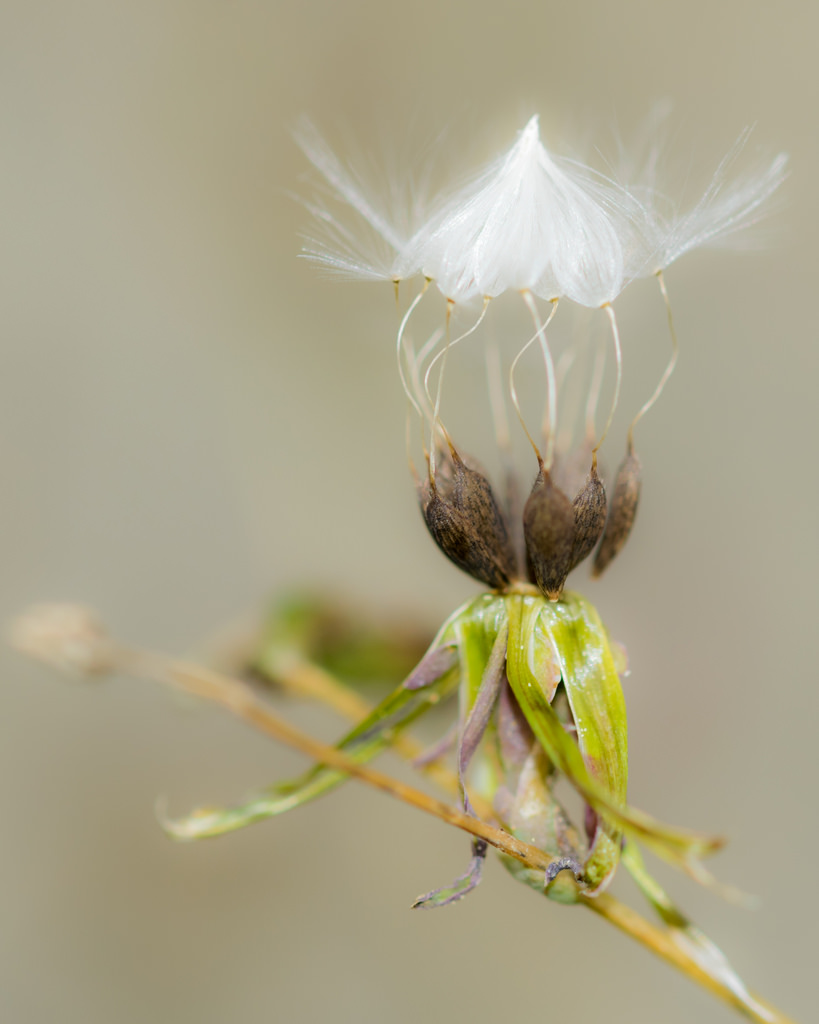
{"x":559,"y":532}
{"x":544,"y":227}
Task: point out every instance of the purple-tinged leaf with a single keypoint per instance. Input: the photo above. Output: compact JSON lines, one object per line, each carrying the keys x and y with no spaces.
{"x":462,"y":885}
{"x":515,"y":736}
{"x":432,"y":666}
{"x":479,"y":714}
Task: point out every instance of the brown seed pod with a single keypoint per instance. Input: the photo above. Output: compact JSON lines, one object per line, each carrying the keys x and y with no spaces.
{"x":589,"y":516}
{"x":549,"y":529}
{"x":463,"y":517}
{"x":621,"y":514}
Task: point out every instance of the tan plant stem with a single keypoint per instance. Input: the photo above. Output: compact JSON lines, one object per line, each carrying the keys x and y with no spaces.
{"x":661,"y":942}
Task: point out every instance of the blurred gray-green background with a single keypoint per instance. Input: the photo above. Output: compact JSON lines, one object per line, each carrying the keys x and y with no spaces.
{"x":191,"y":419}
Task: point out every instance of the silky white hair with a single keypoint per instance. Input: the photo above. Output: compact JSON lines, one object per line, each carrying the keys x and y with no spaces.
{"x":532,"y":222}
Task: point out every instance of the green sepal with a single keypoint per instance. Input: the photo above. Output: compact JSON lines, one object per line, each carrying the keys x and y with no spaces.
{"x":592,"y":684}
{"x":587,"y":663}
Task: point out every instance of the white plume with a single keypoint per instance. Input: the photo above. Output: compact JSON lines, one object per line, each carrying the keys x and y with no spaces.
{"x":531,"y":222}
{"x":527,"y":222}
{"x":726,"y":208}
{"x":370,"y":254}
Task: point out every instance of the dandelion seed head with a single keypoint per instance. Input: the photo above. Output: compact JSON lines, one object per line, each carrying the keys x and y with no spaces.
{"x":545,"y":228}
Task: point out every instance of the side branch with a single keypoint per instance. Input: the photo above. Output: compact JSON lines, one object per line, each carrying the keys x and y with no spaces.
{"x":242,"y":702}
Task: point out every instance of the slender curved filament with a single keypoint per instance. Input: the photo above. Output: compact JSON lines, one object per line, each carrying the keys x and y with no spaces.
{"x":551,"y":387}
{"x":672,"y":362}
{"x":436,"y":412}
{"x":414,"y":361}
{"x":441,"y":356}
{"x":399,"y":346}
